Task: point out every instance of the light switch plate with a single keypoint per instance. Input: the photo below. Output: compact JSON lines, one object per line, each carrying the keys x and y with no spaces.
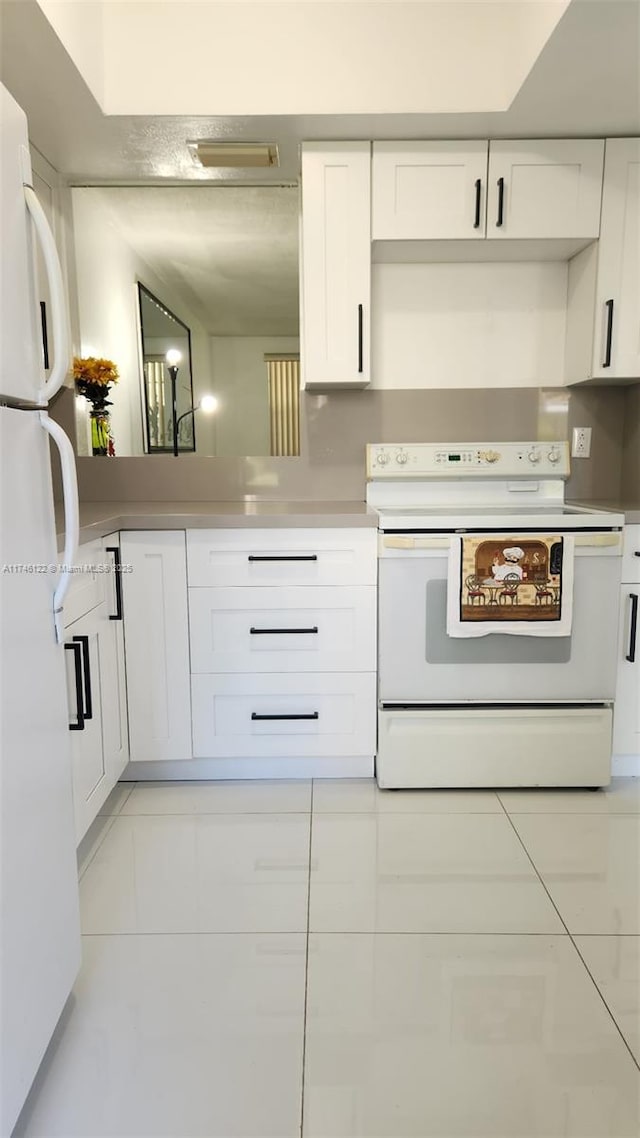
{"x":581,"y":442}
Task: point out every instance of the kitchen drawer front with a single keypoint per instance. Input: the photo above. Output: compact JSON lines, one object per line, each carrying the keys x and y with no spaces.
{"x":339,"y":713}
{"x":88,"y":587}
{"x":631,"y":555}
{"x":329,"y":629}
{"x":281,"y":557}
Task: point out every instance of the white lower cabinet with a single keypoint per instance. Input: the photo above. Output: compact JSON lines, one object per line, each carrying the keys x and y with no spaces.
{"x":283,"y":650}
{"x":97,"y":712}
{"x":626,"y":723}
{"x":157,"y":644}
{"x":286,"y":715}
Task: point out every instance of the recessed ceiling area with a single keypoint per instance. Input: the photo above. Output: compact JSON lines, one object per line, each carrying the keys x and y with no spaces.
{"x":315,"y":57}
{"x":230,"y":253}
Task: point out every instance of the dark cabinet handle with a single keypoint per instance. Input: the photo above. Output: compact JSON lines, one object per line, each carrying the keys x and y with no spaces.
{"x":360,"y":341}
{"x":45,"y":335}
{"x":77,"y":667}
{"x":633,"y":631}
{"x":117,"y":568}
{"x":500,"y":201}
{"x":476,"y":223}
{"x":83,"y":641}
{"x":283,"y":557}
{"x":607,"y":351}
{"x":312,"y":715}
{"x":282,"y":631}
{"x":636,"y":553}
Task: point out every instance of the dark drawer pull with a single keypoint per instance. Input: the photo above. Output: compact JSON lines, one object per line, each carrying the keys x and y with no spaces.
{"x":360,"y":341}
{"x":633,"y":631}
{"x":311,"y":715}
{"x":636,"y":553}
{"x":77,"y":661}
{"x":283,"y":631}
{"x":283,"y":557}
{"x":83,"y":641}
{"x":476,"y":223}
{"x":609,"y":342}
{"x":500,"y":202}
{"x":117,"y":567}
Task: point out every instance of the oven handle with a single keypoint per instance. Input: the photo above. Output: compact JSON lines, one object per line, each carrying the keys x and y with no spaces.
{"x":584,"y":542}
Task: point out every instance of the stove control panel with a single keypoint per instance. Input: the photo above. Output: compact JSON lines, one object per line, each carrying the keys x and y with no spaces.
{"x":468,"y":460}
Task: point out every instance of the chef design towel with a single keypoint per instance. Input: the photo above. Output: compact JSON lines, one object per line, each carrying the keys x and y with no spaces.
{"x":520,"y":584}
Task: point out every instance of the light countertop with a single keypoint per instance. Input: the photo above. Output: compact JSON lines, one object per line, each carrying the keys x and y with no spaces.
{"x":631,"y":510}
{"x":100,"y":518}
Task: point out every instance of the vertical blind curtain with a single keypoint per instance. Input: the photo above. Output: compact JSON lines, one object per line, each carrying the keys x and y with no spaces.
{"x":284,"y":405}
{"x":156,"y":401}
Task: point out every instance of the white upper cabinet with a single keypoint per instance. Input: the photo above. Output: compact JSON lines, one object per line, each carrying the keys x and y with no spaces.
{"x":336,"y":264}
{"x":616,"y":351}
{"x":429,"y":190}
{"x":548,"y":188}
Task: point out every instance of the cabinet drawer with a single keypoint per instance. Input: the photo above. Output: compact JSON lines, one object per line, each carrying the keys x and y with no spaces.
{"x":282,"y":716}
{"x":281,"y":557}
{"x":282,"y":630}
{"x":631,"y":555}
{"x":89,"y":583}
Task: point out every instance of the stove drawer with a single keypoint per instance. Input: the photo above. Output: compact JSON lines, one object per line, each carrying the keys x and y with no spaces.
{"x":477,"y":746}
{"x":280,"y":716}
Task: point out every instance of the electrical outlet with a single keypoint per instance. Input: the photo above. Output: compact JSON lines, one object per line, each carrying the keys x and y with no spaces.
{"x":581,"y":442}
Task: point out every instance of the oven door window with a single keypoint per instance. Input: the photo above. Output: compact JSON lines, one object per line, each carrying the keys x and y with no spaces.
{"x":418,"y":662}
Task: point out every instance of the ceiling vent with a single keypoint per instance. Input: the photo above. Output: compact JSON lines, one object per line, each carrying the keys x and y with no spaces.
{"x":227,"y":154}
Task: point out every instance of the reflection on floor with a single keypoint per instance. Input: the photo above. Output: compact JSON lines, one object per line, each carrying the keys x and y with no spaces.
{"x":271,"y":959}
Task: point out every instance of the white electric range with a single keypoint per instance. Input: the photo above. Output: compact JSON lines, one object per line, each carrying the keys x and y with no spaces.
{"x":498,"y":710}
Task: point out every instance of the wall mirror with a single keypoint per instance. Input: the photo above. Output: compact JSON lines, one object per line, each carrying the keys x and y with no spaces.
{"x":215,"y":269}
{"x":168,"y":399}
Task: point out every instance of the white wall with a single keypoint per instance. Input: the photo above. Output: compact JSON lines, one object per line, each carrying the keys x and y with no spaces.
{"x":468,"y":325}
{"x":424,"y":56}
{"x":239,"y":377}
{"x":107,"y":274}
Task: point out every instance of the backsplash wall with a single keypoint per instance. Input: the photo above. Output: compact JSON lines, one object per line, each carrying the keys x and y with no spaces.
{"x":335,"y":428}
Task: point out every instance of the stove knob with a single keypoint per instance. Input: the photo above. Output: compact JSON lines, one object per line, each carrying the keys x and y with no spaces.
{"x":534,"y":456}
{"x":382,"y":458}
{"x":554,"y":455}
{"x":401,"y":457}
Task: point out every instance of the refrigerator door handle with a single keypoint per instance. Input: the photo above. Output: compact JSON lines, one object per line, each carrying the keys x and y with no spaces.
{"x":61,"y":345}
{"x":71,"y":518}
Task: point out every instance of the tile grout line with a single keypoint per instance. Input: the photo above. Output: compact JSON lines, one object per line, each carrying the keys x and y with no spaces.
{"x":306,"y":969}
{"x":570,"y":935}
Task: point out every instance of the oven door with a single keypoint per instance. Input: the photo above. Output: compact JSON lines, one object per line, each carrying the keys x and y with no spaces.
{"x":420,"y":664}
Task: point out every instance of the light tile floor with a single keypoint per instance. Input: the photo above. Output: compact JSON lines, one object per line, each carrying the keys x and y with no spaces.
{"x":264,"y":960}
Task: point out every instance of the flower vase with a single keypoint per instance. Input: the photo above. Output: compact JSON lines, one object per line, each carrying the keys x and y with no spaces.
{"x":101,"y":442}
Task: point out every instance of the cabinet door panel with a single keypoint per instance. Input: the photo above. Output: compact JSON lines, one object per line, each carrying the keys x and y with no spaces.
{"x":429,"y":190}
{"x":626,"y":720}
{"x":336,"y":264}
{"x":157,"y":645}
{"x":281,"y":630}
{"x":547,"y":188}
{"x":617,"y":323}
{"x":116,"y":730}
{"x":89,"y":771}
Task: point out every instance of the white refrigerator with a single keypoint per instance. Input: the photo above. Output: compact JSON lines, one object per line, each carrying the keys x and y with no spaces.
{"x":39,"y":918}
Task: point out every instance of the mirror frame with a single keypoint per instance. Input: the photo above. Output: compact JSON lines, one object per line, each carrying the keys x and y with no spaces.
{"x":149,"y":449}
